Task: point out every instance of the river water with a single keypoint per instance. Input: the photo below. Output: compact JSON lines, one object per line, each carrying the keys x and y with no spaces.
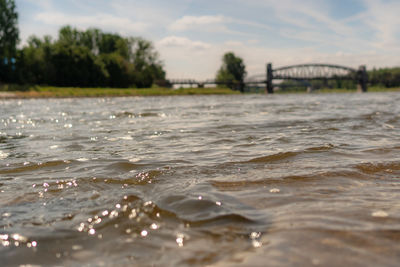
{"x":250,"y":180}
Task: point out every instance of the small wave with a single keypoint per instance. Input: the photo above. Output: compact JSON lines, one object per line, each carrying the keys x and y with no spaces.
{"x":25,"y":167}
{"x":149,"y":114}
{"x":138,"y":115}
{"x":200,"y":211}
{"x":375,"y":116}
{"x":223,"y":141}
{"x":242,"y":184}
{"x":325,"y":147}
{"x":141,"y":178}
{"x":282,"y":180}
{"x":383,"y":150}
{"x":333,"y":120}
{"x":125,"y":114}
{"x":274,"y":157}
{"x":124,"y":166}
{"x":290,"y":154}
{"x":75,"y":147}
{"x":371,"y":168}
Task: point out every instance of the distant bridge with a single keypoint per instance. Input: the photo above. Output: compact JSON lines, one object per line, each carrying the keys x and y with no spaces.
{"x":295,"y":72}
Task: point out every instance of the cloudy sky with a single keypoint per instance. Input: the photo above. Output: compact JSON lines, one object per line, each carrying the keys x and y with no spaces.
{"x":192,"y":35}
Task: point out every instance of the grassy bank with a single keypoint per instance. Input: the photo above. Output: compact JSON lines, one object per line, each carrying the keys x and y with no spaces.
{"x":18,"y":91}
{"x":50,"y":91}
{"x":324,"y":90}
{"x":370,"y":89}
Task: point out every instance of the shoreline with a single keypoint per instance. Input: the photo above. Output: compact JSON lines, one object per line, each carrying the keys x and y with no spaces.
{"x":71,"y":92}
{"x":38,"y":92}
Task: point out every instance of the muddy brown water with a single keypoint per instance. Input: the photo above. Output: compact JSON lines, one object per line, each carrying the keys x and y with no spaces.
{"x":246,"y":180}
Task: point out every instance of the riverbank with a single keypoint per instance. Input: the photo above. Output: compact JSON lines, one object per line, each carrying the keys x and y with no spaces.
{"x":372,"y":89}
{"x":16,"y":91}
{"x":60,"y":92}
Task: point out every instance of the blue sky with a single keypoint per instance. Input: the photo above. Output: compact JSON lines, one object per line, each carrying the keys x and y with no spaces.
{"x":192,"y":35}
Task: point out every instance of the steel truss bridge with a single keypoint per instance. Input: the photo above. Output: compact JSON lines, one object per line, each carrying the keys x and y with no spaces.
{"x":302,"y":72}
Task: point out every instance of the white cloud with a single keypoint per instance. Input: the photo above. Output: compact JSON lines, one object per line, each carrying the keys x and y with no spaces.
{"x":383,"y":17}
{"x":218,"y":23}
{"x":103,"y":21}
{"x":310,"y":21}
{"x":250,"y":24}
{"x":157,"y":14}
{"x":233,"y":43}
{"x":311,"y":17}
{"x":175,"y":41}
{"x":199,"y":22}
{"x":253,"y":41}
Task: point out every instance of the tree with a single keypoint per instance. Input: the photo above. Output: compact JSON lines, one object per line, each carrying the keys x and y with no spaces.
{"x":147,"y":67}
{"x":232,"y":71}
{"x":388,"y":77}
{"x":77,"y":66}
{"x":9,"y":37}
{"x":89,"y":58}
{"x":119,"y":72}
{"x":34,"y":66}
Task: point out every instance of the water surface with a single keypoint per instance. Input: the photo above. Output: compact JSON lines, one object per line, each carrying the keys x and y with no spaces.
{"x":201,"y":180}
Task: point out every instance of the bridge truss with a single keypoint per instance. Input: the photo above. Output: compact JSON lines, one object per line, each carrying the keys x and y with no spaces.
{"x":314,"y":72}
{"x":302,"y":72}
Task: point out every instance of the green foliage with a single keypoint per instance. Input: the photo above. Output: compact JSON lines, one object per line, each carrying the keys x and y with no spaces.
{"x":331,"y":84}
{"x":144,"y":58}
{"x":75,"y":66}
{"x":118,"y":72}
{"x":319,"y":85}
{"x":9,"y":37}
{"x":34,"y":61}
{"x":387,"y":77}
{"x":9,"y":33}
{"x":232,"y":71}
{"x":89,"y":58}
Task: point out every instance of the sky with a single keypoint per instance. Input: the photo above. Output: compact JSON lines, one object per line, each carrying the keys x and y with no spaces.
{"x":191,"y":36}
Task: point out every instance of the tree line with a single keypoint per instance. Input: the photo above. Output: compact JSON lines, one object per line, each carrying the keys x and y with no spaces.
{"x":90,"y":58}
{"x":387,"y":77}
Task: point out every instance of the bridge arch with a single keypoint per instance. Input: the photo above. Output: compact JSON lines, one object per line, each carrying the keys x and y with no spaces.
{"x":316,"y":71}
{"x":300,"y":72}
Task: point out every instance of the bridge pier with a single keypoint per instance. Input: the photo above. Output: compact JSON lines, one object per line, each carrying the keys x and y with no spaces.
{"x":362,"y":77}
{"x":269,"y":86}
